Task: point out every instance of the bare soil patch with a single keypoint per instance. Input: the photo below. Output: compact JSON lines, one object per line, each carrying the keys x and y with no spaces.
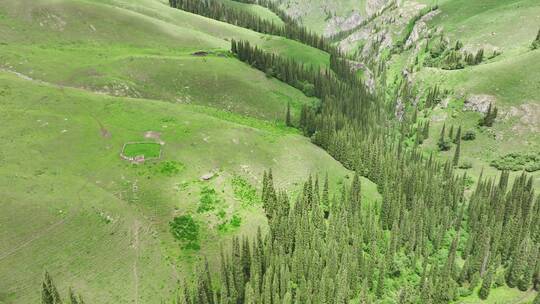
{"x":479,"y":103}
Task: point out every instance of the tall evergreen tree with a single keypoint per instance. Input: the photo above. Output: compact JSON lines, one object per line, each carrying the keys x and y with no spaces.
{"x":458,"y":135}
{"x":536,"y":43}
{"x":489,"y":117}
{"x":484,"y":291}
{"x":455,"y":160}
{"x":443,"y":143}
{"x":49,"y":293}
{"x":288,"y":116}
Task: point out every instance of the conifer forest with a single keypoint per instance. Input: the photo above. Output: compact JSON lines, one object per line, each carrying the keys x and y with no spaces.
{"x":270,"y":151}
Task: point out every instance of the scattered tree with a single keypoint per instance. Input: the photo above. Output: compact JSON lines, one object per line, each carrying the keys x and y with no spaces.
{"x":288,"y":116}
{"x":536,"y":43}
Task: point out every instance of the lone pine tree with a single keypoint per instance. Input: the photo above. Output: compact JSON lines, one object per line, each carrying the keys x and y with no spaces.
{"x":489,"y":118}
{"x":455,"y":160}
{"x":288,"y":116}
{"x":484,"y":291}
{"x":49,"y":293}
{"x":536,"y":42}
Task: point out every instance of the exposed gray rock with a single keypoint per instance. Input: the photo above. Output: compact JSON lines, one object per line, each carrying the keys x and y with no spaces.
{"x":420,"y":29}
{"x":373,"y":6}
{"x":528,"y":115}
{"x":337,"y":24}
{"x":207,"y":176}
{"x":479,"y":103}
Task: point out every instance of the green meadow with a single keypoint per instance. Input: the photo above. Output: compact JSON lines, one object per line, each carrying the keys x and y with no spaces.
{"x":78,"y":80}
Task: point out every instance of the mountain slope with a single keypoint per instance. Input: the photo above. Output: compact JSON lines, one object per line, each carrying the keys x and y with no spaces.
{"x":81,"y":79}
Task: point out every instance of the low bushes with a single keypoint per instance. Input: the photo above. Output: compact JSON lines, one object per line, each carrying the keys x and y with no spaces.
{"x":185,"y":229}
{"x":529,"y":162}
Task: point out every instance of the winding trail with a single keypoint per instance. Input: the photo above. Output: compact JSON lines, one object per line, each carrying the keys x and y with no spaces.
{"x":135,"y":245}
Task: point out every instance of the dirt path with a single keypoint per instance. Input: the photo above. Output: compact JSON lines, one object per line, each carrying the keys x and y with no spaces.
{"x":104,"y":132}
{"x":135,"y":245}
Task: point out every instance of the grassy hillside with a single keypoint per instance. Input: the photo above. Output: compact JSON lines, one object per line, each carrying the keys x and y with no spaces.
{"x":254,"y":9}
{"x":317,"y":14}
{"x":504,"y":24}
{"x":159,"y":10}
{"x":73,"y":206}
{"x":78,"y":81}
{"x":509,"y":79}
{"x":137,"y":55}
{"x":88,"y":86}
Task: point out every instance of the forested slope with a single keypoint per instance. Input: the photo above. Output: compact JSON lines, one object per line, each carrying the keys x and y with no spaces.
{"x":241,"y":208}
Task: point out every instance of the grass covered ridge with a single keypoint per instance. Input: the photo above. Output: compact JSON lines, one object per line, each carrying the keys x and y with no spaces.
{"x":101,"y":211}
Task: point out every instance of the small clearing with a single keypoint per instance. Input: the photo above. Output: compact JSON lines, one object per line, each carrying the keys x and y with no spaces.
{"x":148,"y":150}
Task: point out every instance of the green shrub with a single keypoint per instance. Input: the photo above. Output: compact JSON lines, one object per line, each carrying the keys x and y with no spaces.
{"x":529,"y":162}
{"x":208,"y":201}
{"x":170,"y":168}
{"x":469,"y":182}
{"x":444,"y":145}
{"x":499,"y":280}
{"x":231,"y":224}
{"x":465,"y":165}
{"x":236,"y":221}
{"x":469,"y":135}
{"x":221,"y":214}
{"x":244,"y":192}
{"x":464,"y":292}
{"x":308,"y":89}
{"x":185,"y":229}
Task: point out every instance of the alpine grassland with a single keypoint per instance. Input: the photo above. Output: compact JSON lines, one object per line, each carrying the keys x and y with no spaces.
{"x":272,"y":152}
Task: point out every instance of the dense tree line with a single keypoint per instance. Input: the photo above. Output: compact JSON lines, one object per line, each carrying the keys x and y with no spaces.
{"x":272,"y":6}
{"x":423,"y":242}
{"x":504,"y":227}
{"x":291,"y":29}
{"x":446,"y":56}
{"x":349,"y":97}
{"x":423,"y":212}
{"x":335,"y":249}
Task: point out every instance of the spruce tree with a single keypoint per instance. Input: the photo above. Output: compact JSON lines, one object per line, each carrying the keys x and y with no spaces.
{"x":455,"y":160}
{"x":458,"y":135}
{"x":442,"y":143}
{"x":288,"y":116}
{"x":49,"y":293}
{"x":479,"y":56}
{"x":326,"y":197}
{"x":425,"y":132}
{"x":536,"y":43}
{"x":485,"y":120}
{"x":489,"y":118}
{"x":483,"y":293}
